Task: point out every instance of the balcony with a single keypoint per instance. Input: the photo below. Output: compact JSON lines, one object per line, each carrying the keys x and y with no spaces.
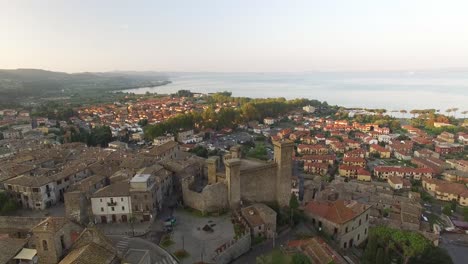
{"x":114,"y":203}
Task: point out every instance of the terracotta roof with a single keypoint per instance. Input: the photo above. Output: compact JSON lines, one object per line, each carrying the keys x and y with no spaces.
{"x":378,"y":148}
{"x":29,"y":181}
{"x":51,"y":224}
{"x":159,"y":150}
{"x":91,"y":247}
{"x":9,"y":247}
{"x":339,"y":211}
{"x":363,"y":172}
{"x":399,"y":169}
{"x":117,"y":189}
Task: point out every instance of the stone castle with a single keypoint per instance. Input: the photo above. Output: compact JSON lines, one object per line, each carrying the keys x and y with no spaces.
{"x":241,"y":181}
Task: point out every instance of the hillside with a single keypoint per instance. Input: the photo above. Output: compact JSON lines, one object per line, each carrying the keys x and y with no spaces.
{"x":20,"y":83}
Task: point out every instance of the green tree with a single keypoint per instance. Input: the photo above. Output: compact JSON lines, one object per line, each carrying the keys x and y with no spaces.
{"x":293,"y":206}
{"x":380,"y":256}
{"x":200,"y":151}
{"x":259,"y":152}
{"x":300,"y":258}
{"x":7,"y":205}
{"x":433,"y":255}
{"x":370,"y":252}
{"x":447,"y":210}
{"x":143,"y":122}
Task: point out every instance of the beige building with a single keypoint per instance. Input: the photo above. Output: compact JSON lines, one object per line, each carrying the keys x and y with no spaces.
{"x":346,"y":221}
{"x":446,"y":191}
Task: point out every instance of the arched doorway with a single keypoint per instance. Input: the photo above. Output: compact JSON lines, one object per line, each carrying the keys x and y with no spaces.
{"x":124,"y":218}
{"x":114,"y":219}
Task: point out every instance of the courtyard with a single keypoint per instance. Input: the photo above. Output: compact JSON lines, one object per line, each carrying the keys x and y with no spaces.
{"x":199,"y":235}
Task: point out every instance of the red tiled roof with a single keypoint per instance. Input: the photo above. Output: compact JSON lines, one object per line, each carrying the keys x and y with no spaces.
{"x":339,"y":211}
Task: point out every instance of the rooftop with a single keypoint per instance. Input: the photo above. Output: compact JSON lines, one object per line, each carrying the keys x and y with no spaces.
{"x":9,"y":247}
{"x":117,"y":189}
{"x":339,"y":211}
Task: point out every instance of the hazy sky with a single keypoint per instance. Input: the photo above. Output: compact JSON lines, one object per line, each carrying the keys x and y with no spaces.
{"x":234,"y":35}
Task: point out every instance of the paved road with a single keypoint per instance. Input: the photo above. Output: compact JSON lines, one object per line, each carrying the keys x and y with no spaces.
{"x":456,"y":245}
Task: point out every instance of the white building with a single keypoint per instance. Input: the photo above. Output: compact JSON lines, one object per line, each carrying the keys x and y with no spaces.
{"x":112,"y":204}
{"x":163,"y":139}
{"x":308,"y":109}
{"x":384,"y":138}
{"x":269,"y":121}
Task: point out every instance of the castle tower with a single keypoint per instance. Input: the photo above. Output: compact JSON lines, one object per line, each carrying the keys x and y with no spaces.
{"x":212,"y":164}
{"x":233,"y":181}
{"x":283,"y":157}
{"x":53,"y":237}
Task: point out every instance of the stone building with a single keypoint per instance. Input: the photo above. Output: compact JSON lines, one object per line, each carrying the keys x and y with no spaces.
{"x":261,"y":220}
{"x":148,"y":188}
{"x":76,"y":206}
{"x":53,"y":237}
{"x":242,"y":181}
{"x":346,"y":221}
{"x":91,"y":246}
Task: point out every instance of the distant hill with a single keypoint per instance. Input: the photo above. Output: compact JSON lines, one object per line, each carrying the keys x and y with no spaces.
{"x":18,"y":83}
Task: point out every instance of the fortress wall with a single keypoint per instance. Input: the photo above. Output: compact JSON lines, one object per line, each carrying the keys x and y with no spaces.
{"x":259,"y":184}
{"x":213,"y":197}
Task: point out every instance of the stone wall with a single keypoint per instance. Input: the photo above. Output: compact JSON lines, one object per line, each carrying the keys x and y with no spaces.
{"x":212,"y":198}
{"x":236,"y":247}
{"x":76,"y":206}
{"x":17,"y":226}
{"x":233,"y":249}
{"x":259,"y":184}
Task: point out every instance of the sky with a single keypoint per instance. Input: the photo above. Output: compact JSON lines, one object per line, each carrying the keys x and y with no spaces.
{"x":234,"y":36}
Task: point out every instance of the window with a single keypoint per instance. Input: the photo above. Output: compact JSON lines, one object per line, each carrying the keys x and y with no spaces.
{"x":358,"y":236}
{"x":146,"y":206}
{"x":112,"y":200}
{"x":146,"y":196}
{"x":121,"y":199}
{"x":10,"y":187}
{"x":367,"y":217}
{"x":45,"y":247}
{"x":136,"y":207}
{"x":35,"y":190}
{"x":102,"y":209}
{"x":346,"y":231}
{"x":365,"y":231}
{"x":123,"y":208}
{"x":112,"y":208}
{"x":359,"y":221}
{"x":100,"y":200}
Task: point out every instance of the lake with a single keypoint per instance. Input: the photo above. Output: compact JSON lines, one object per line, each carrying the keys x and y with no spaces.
{"x":389,"y":90}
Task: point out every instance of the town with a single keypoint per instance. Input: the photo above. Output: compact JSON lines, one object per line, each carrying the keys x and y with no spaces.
{"x":211,"y":178}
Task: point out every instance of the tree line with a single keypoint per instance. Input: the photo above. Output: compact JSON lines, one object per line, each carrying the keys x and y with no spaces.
{"x":247,"y":109}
